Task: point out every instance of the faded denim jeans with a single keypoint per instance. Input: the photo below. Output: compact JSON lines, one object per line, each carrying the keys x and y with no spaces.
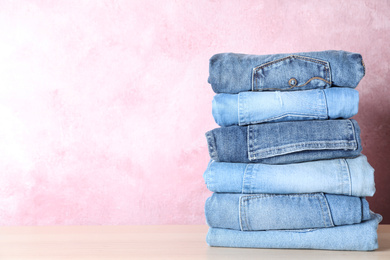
{"x":362,"y":237}
{"x":285,"y":142}
{"x":234,"y":73}
{"x":251,"y":107}
{"x":353,"y":177}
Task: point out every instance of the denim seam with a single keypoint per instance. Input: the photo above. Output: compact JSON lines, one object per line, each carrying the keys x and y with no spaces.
{"x":325,"y":201}
{"x":241,"y":107}
{"x":341,"y":175}
{"x":326,"y":103}
{"x":308,"y":59}
{"x":244,"y":216}
{"x":313,"y":116}
{"x":297,"y":147}
{"x":212,"y":146}
{"x":322,"y":210}
{"x":253,"y":173}
{"x":244,"y":180}
{"x":352,"y":127}
{"x":250,"y":137}
{"x":240,"y":214}
{"x":349,"y":177}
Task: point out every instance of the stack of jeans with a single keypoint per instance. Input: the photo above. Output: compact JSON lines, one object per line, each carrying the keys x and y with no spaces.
{"x":286,"y":166}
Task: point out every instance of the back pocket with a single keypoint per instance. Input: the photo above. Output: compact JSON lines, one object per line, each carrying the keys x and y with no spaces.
{"x":292,"y":73}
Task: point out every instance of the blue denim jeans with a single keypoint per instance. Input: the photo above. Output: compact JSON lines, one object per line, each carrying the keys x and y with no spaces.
{"x":234,"y":73}
{"x":285,"y":142}
{"x":353,"y":177}
{"x":251,"y":212}
{"x":251,"y":107}
{"x":362,"y":237}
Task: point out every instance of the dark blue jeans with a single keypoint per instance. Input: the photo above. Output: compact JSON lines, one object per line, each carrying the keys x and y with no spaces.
{"x":285,"y":142}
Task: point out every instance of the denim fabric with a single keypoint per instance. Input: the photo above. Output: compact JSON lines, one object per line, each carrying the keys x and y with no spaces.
{"x":361,"y":237}
{"x":283,"y":211}
{"x":234,"y":73}
{"x":248,"y":108}
{"x":353,"y":177}
{"x":285,"y":142}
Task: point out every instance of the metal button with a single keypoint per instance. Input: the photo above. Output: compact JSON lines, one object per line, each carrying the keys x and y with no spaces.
{"x":293,"y":82}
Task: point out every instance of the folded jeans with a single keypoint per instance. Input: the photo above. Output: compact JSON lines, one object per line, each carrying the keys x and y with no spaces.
{"x":360,"y":237}
{"x":253,"y":212}
{"x":285,"y":142}
{"x":353,"y":177}
{"x":234,"y":73}
{"x":247,"y":108}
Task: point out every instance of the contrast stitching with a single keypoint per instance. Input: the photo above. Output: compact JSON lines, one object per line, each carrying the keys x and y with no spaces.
{"x":307,"y":82}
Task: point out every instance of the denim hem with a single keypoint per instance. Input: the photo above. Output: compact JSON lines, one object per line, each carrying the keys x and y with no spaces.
{"x":207,"y":176}
{"x":212,"y":146}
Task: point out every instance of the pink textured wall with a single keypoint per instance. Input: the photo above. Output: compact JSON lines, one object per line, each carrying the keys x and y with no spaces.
{"x":104,"y":104}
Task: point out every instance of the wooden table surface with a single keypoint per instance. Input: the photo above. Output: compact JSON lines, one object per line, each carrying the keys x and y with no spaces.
{"x":149,"y":242}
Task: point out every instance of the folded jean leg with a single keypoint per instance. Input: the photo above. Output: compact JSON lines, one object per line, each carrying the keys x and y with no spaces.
{"x":285,"y":142}
{"x":234,"y":73}
{"x":353,"y":177}
{"x":360,"y":237}
{"x":284,"y":211}
{"x":252,"y":107}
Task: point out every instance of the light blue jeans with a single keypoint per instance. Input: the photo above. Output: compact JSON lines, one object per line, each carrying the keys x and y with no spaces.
{"x":247,"y":108}
{"x":353,"y":177}
{"x":285,"y":142}
{"x":362,"y":237}
{"x":251,"y":212}
{"x":234,"y":73}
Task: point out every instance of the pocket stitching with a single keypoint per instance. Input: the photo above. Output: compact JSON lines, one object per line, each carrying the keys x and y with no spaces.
{"x":255,"y":86}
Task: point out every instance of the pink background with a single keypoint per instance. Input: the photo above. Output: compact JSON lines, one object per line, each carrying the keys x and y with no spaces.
{"x":104,"y":104}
